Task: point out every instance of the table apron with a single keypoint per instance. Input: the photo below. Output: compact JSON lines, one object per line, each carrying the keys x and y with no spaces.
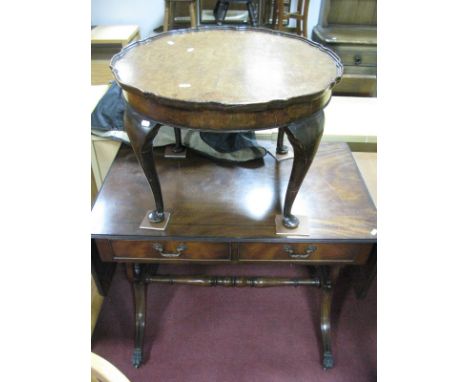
{"x":180,"y":251}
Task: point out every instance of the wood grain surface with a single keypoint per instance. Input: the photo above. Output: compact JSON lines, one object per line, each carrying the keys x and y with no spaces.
{"x":226,"y":66}
{"x":214,"y":201}
{"x":344,"y":34}
{"x":342,"y":253}
{"x":127,"y":249}
{"x":352,"y":12}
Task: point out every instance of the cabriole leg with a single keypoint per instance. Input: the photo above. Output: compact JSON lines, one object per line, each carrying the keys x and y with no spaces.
{"x":178,"y":141}
{"x":141,"y":133}
{"x":281,"y":148}
{"x":304,"y":137}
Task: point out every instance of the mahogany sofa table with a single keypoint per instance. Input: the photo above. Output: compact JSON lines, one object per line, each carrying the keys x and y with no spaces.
{"x":226,"y":79}
{"x":224,"y":213}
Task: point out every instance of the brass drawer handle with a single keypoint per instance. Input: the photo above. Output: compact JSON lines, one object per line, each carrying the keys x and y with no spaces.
{"x":357,"y":59}
{"x":158,"y":247}
{"x":309,"y":251}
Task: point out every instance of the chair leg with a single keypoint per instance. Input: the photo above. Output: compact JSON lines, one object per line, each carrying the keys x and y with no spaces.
{"x":252,"y":13}
{"x":305,"y":15}
{"x":220,"y":11}
{"x":216,"y":10}
{"x":280,"y":14}
{"x":193,"y":18}
{"x":167,"y":11}
{"x":199,"y":13}
{"x":299,"y":18}
{"x":274,"y":16}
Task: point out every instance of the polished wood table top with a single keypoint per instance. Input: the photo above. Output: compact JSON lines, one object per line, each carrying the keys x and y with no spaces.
{"x":226,"y":69}
{"x":238,"y":203}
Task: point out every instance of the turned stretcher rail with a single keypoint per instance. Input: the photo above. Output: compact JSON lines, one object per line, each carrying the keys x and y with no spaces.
{"x":233,"y":281}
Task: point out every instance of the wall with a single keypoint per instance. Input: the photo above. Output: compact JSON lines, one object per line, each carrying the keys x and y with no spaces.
{"x":314,"y":11}
{"x":148,"y":14}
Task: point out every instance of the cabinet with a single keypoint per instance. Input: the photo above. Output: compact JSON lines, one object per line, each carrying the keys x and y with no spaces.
{"x":349,"y":27}
{"x":107,"y":40}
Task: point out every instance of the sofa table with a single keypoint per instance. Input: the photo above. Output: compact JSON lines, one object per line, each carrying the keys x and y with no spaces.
{"x":226,"y":79}
{"x":223,"y":213}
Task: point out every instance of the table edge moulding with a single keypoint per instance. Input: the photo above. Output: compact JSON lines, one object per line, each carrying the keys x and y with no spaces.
{"x":319,"y":99}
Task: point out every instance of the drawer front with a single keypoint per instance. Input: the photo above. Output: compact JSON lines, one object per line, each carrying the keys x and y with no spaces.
{"x":305,"y":252}
{"x":358,"y":80}
{"x":357,"y":56}
{"x":170,"y":250}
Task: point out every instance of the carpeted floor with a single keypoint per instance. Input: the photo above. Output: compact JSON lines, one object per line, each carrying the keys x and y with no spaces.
{"x":225,"y":334}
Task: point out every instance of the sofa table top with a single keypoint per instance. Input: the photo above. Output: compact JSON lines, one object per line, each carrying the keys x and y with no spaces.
{"x":214,"y":201}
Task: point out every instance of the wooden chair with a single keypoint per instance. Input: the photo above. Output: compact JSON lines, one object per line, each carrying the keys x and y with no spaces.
{"x":280,"y":17}
{"x":222,"y":7}
{"x":169,"y":17}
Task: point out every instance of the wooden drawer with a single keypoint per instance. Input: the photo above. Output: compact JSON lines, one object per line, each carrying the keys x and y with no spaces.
{"x":161,"y":250}
{"x":358,"y":81}
{"x":357,"y":55}
{"x":304,"y":252}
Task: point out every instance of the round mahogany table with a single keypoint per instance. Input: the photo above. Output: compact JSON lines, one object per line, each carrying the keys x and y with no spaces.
{"x":227,"y":79}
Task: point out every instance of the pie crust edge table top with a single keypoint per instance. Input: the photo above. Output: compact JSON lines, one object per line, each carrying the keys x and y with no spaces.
{"x":249,"y":78}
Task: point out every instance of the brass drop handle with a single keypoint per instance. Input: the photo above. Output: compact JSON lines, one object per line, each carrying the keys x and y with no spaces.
{"x":309,"y":251}
{"x":180,"y":248}
{"x":357,"y":59}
